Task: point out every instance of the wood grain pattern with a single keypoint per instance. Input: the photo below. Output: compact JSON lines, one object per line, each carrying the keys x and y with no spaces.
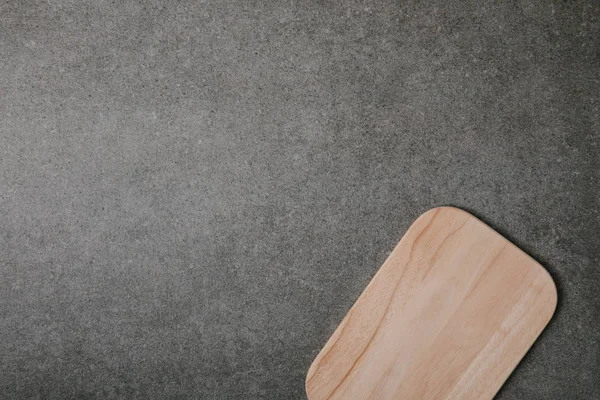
{"x":449,"y":315}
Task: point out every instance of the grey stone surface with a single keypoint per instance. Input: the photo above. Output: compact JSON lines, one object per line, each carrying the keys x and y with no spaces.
{"x":192,"y":194}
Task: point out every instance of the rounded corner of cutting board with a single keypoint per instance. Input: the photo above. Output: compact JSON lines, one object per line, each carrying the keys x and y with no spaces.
{"x":548,"y":281}
{"x":435,"y":210}
{"x":550,"y":285}
{"x":451,"y":210}
{"x":309,"y":374}
{"x":306,"y":388}
{"x":448,"y":211}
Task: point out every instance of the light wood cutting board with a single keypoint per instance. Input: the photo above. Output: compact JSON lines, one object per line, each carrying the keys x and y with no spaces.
{"x":449,"y":315}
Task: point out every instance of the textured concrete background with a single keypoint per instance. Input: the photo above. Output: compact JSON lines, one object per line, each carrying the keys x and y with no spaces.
{"x":192,"y":194}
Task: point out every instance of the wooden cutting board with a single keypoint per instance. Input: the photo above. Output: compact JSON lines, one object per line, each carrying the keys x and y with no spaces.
{"x":449,"y":315}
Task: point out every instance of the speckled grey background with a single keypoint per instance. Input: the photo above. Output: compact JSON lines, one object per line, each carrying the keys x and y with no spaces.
{"x":192,"y":194}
